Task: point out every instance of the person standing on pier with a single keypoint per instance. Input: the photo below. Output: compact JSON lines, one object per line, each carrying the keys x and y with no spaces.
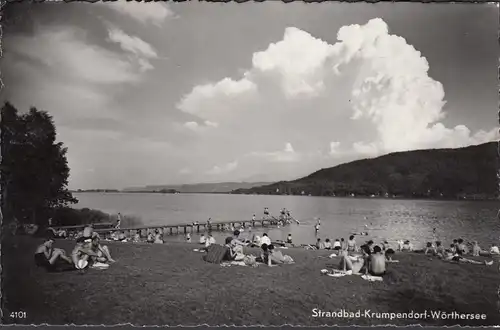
{"x":316,"y":227}
{"x":118,"y":221}
{"x":266,"y":213}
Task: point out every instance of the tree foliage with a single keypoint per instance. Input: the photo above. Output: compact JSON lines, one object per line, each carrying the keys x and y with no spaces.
{"x":35,"y":170}
{"x":439,"y":173}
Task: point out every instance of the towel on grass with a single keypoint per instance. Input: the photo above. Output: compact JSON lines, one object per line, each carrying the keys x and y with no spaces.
{"x":392,"y":261}
{"x":233,"y":263}
{"x":372,"y":278}
{"x":336,"y":272}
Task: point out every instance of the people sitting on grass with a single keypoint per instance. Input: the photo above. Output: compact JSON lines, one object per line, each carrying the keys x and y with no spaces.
{"x":158,"y":237}
{"x":150,"y":238}
{"x":475,"y":249}
{"x":236,"y":243}
{"x":320,"y":245}
{"x":337,"y":245}
{"x":82,"y":253}
{"x":137,"y":236}
{"x":277,"y":256}
{"x":52,"y":259}
{"x":289,"y":239}
{"x":351,"y":244}
{"x":494,"y":250}
{"x":439,"y":249}
{"x":209,"y":240}
{"x":232,"y":254}
{"x":328,"y":244}
{"x":203,"y":239}
{"x":256,"y":241}
{"x":367,"y":248}
{"x":265,"y":239}
{"x":376,"y":262}
{"x":188,"y":237}
{"x":430,"y":248}
{"x":388,"y":250}
{"x":353,"y":264}
{"x":102,"y":251}
{"x":462,"y":247}
{"x":407,"y":246}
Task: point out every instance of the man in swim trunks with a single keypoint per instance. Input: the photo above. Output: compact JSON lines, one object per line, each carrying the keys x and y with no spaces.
{"x":376,"y":262}
{"x":52,"y":259}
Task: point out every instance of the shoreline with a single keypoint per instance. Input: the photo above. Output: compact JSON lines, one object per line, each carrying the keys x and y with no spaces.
{"x":340,"y":197}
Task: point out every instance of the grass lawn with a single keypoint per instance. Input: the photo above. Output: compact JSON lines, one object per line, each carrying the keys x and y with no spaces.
{"x":171,"y":285}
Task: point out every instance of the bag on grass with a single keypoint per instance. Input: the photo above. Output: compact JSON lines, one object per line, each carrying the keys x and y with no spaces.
{"x":216,"y":253}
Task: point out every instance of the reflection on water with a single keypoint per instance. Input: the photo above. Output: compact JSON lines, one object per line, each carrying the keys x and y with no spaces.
{"x":390,"y":219}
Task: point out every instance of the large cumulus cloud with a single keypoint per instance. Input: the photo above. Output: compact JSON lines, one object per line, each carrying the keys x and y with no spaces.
{"x":370,"y":93}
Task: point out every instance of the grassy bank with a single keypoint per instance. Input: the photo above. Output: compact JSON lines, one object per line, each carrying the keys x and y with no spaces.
{"x":170,"y":284}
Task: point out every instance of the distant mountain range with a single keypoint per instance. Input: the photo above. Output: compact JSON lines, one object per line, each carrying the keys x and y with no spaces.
{"x":468,"y":172}
{"x":222,"y":187}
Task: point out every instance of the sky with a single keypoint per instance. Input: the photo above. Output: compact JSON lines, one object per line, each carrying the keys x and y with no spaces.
{"x":173,"y":93}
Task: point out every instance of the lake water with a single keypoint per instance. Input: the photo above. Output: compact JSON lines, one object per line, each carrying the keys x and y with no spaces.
{"x":390,"y":219}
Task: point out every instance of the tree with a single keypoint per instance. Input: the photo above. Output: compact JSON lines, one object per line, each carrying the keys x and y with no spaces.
{"x":34,"y":166}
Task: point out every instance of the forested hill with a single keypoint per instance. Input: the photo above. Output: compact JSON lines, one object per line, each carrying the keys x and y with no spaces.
{"x":468,"y":172}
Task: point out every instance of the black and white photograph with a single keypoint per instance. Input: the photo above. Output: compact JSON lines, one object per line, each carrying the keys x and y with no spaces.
{"x":250,"y":164}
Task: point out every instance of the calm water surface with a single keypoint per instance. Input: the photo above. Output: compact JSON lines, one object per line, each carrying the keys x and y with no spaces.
{"x":390,"y":219}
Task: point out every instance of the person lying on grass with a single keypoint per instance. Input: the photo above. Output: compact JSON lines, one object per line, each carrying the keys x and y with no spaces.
{"x":50,"y":258}
{"x":457,"y":258}
{"x":102,"y":251}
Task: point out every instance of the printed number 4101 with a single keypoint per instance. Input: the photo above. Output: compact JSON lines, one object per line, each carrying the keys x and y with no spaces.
{"x":18,"y":315}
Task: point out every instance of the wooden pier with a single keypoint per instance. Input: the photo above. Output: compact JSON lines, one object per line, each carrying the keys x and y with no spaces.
{"x":172,"y":229}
